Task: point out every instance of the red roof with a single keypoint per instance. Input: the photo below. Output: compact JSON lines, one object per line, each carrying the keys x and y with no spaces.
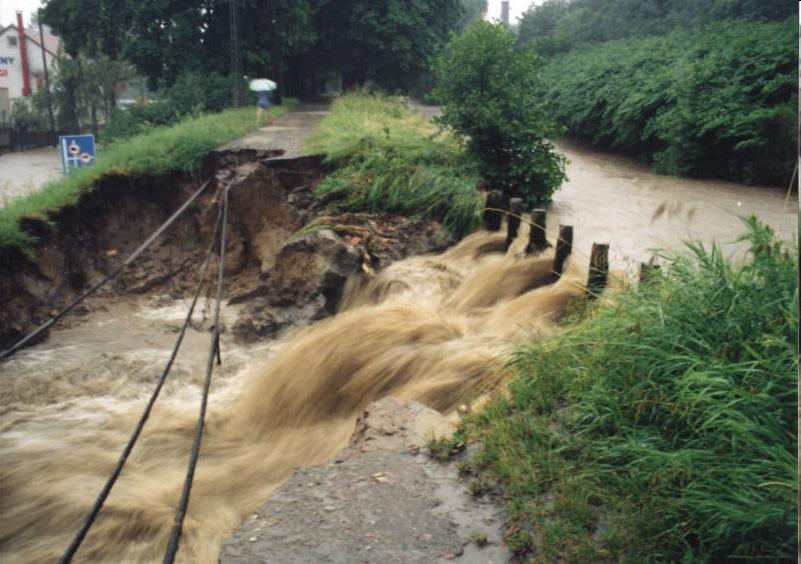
{"x":51,"y":42}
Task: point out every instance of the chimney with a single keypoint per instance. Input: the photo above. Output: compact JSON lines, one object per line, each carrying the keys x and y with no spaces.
{"x":23,"y":55}
{"x":505,"y":13}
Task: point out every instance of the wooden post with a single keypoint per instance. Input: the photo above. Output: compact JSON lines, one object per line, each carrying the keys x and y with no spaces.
{"x":493,"y":218}
{"x":647,"y":271}
{"x":513,"y":221}
{"x":536,"y":238}
{"x":564,"y":246}
{"x":599,"y":269}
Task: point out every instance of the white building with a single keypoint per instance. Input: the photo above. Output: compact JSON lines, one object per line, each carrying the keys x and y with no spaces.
{"x":21,"y":70}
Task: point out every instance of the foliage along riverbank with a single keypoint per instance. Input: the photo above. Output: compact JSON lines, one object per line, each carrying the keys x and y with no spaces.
{"x":385,"y":157}
{"x":177,"y":148}
{"x":660,"y":425}
{"x":717,"y":100}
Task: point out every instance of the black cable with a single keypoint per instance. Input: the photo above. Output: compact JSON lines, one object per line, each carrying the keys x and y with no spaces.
{"x":111,"y":275}
{"x":180,"y":513}
{"x":101,"y":498}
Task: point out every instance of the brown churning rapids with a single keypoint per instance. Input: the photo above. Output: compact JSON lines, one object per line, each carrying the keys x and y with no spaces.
{"x":431,"y":328}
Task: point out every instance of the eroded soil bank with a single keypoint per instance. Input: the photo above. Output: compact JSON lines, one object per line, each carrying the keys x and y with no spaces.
{"x":288,"y":273}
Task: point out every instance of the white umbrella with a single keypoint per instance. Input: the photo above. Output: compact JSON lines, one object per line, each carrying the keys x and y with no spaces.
{"x":262,"y":84}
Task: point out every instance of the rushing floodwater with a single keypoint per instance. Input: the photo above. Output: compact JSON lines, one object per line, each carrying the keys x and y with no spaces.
{"x":427,"y":328}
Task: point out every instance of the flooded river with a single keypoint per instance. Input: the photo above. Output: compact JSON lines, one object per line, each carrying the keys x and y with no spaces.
{"x":427,"y":328}
{"x":616,"y":200}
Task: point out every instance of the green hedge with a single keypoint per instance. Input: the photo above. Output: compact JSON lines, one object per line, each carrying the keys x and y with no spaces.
{"x":717,"y":101}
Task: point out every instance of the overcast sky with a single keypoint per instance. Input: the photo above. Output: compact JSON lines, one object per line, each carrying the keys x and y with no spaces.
{"x":516,"y":8}
{"x":8,"y":10}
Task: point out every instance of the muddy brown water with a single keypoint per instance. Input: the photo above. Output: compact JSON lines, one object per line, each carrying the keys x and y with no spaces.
{"x":432,"y":328}
{"x":406,"y":333}
{"x":616,"y":200}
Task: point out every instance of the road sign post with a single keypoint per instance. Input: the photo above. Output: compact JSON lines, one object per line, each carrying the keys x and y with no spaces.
{"x":77,"y":151}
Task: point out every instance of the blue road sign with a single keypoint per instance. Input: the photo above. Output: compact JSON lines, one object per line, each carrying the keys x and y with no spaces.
{"x":77,"y":151}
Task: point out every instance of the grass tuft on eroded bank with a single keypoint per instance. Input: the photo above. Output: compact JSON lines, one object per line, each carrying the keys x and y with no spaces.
{"x":660,"y":427}
{"x":384,"y":157}
{"x":177,"y":148}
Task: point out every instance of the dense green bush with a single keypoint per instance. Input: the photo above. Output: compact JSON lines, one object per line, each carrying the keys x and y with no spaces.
{"x":384,"y":157}
{"x":662,"y":426}
{"x":485,"y":85}
{"x":557,"y":26}
{"x":717,"y":101}
{"x":192,"y":94}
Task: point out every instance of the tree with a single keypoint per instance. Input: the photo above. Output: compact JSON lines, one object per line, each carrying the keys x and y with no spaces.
{"x":473,"y":10}
{"x":384,"y":41}
{"x":539,"y":24}
{"x":487,"y":87}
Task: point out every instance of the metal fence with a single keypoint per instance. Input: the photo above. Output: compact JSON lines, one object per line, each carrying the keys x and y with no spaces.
{"x":14,"y":138}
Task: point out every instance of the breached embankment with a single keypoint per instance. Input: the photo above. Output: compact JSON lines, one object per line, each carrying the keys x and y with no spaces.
{"x":270,"y":200}
{"x":296,"y":408}
{"x":68,"y":404}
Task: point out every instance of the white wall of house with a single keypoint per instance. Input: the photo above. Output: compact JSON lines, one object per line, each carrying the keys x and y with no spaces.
{"x":11,"y":77}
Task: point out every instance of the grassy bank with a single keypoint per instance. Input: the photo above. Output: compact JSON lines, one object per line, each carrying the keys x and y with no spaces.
{"x":660,"y":427}
{"x":385,"y":157}
{"x":717,"y":100}
{"x":177,"y":148}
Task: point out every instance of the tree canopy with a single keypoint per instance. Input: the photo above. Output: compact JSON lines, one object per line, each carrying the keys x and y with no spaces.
{"x":559,"y":25}
{"x":486,"y":87}
{"x":386,"y":41}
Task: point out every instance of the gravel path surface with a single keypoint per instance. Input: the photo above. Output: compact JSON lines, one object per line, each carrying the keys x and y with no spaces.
{"x":382,"y":500}
{"x":26,"y":171}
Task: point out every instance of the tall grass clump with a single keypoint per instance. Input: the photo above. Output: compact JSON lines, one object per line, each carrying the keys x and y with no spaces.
{"x":384,"y":157}
{"x":660,"y":427}
{"x":163,"y":150}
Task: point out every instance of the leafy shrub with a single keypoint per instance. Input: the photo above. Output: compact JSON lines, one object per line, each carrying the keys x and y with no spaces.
{"x":25,"y":115}
{"x":672,"y":411}
{"x":386,"y":158}
{"x":197,"y":93}
{"x":486,"y":87}
{"x":192,"y":94}
{"x":717,"y":101}
{"x":557,"y":26}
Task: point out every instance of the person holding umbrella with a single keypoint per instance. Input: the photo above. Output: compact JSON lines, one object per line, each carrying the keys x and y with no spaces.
{"x":263,"y":87}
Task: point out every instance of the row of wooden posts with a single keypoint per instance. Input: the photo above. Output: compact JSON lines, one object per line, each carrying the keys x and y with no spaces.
{"x":599,"y":257}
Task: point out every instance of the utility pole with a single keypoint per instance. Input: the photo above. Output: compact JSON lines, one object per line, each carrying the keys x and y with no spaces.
{"x":46,"y":79}
{"x":276,"y":55}
{"x":236,"y":68}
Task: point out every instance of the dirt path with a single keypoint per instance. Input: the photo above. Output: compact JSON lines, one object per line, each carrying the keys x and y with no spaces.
{"x":288,"y":132}
{"x":380,"y":500}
